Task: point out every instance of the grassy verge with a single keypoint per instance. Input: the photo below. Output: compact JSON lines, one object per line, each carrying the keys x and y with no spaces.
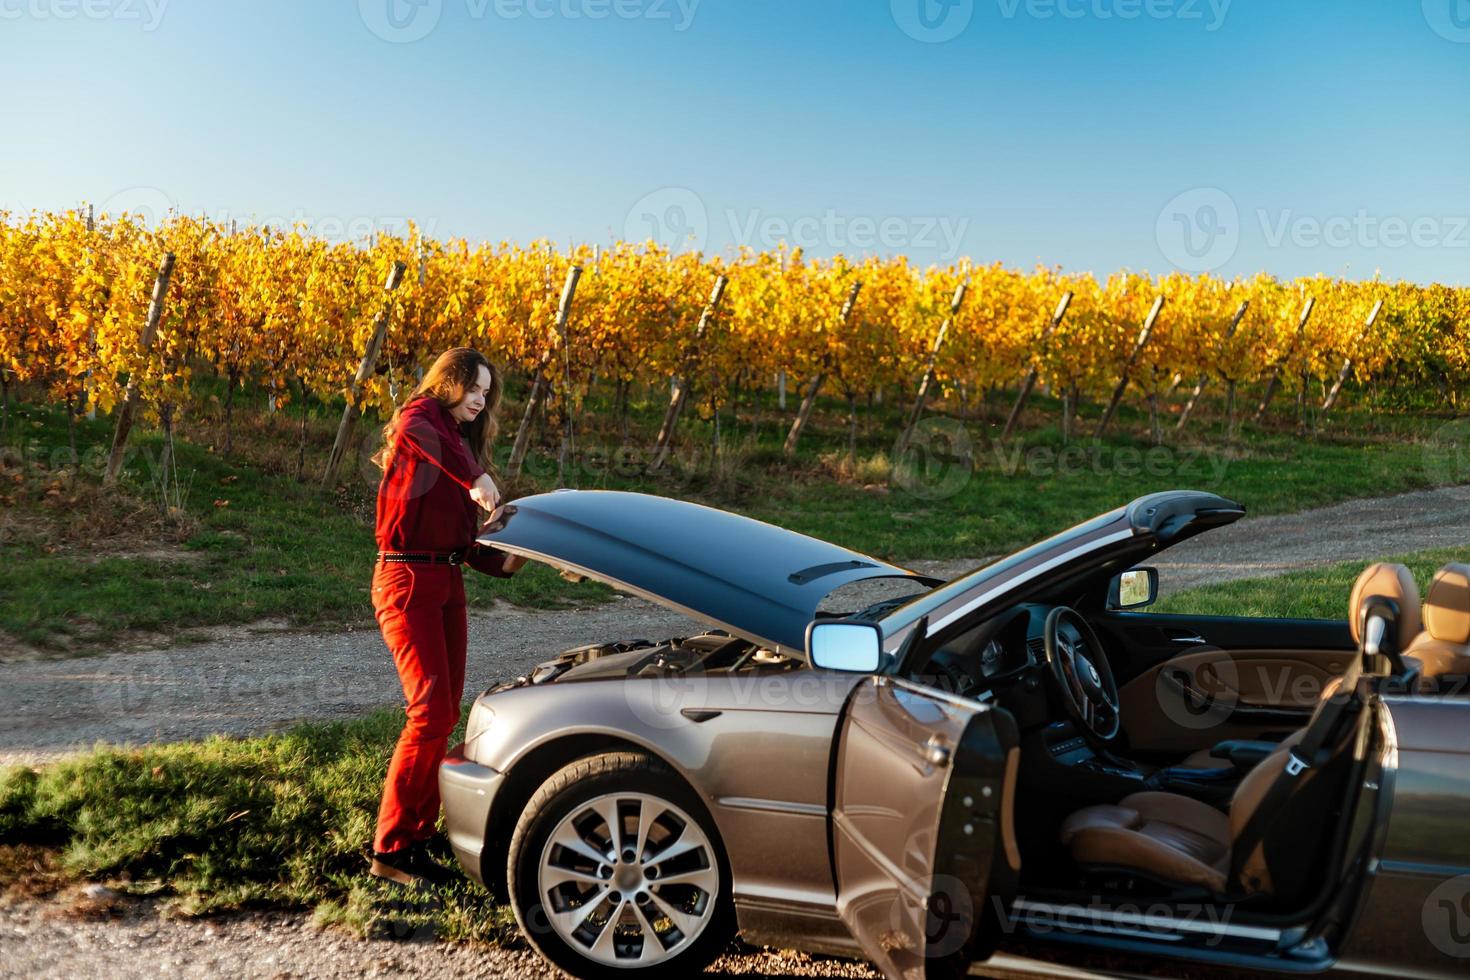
{"x":238,"y":823}
{"x":1318,"y":593}
{"x":249,"y":537}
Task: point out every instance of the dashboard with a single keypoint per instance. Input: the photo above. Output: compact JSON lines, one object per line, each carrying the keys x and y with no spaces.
{"x":991,"y":653}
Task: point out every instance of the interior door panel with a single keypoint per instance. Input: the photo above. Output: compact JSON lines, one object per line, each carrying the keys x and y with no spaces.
{"x":1189,"y":682}
{"x":921,"y":822}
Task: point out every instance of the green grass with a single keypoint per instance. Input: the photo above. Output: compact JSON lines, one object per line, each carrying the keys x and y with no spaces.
{"x":253,"y":542}
{"x":238,"y":823}
{"x":1318,"y":593}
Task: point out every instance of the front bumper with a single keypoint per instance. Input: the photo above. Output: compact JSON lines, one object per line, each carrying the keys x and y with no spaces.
{"x":467,"y":790}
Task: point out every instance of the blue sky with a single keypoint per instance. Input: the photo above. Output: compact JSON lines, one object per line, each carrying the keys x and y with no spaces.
{"x":1294,"y":136}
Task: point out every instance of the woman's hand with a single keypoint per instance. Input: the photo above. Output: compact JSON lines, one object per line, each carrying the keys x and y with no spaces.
{"x":513,"y":563}
{"x":485,"y":493}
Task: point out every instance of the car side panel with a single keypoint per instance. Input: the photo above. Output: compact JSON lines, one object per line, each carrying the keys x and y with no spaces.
{"x":1415,"y":920}
{"x":757,"y":749}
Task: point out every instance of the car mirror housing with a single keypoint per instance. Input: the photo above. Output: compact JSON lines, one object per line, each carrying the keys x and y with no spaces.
{"x":1134,"y":589}
{"x":844,"y":645}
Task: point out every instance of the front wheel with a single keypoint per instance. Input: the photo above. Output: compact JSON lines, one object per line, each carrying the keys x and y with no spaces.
{"x":615,"y":866}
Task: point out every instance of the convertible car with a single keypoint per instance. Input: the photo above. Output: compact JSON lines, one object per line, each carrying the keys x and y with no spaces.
{"x":1020,"y":764}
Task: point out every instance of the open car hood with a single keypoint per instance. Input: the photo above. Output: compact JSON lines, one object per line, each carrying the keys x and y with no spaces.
{"x":757,"y":580}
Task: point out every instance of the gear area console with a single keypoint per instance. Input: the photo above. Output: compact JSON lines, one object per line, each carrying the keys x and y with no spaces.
{"x":1073,"y":766}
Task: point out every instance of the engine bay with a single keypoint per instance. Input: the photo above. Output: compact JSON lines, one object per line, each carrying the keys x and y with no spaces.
{"x":711,"y":652}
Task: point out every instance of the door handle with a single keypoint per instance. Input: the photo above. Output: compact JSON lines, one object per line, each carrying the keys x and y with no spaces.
{"x":935,"y":752}
{"x":1187,"y":638}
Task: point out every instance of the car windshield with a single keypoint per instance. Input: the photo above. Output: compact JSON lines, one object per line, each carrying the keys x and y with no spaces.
{"x":924,"y":604}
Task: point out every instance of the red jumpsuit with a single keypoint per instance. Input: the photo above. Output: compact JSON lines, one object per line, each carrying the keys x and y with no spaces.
{"x":424,"y":505}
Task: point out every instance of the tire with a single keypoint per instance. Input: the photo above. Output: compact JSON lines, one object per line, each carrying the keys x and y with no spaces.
{"x":568,"y":894}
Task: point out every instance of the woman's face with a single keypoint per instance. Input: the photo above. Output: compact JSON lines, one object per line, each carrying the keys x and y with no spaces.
{"x":473,"y":402}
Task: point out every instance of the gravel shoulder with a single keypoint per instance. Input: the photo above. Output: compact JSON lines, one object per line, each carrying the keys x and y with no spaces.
{"x":55,"y":940}
{"x":250,"y":683}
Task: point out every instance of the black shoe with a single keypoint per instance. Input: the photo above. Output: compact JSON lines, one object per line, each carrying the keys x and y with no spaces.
{"x":439,"y":847}
{"x":411,"y":867}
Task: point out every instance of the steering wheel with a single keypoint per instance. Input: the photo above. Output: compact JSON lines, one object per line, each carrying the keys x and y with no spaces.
{"x":1081,"y":672}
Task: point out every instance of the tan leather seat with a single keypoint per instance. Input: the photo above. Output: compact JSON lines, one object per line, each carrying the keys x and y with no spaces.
{"x":1390,"y":580}
{"x":1443,"y":649}
{"x":1183,"y":841}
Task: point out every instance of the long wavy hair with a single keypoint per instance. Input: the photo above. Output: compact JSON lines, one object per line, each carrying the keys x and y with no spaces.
{"x":450,"y":376}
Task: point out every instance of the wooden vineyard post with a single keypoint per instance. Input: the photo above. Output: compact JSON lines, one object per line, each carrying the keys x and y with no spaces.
{"x":91,"y":330}
{"x":1143,"y":335}
{"x":1275,"y":381}
{"x":928,"y":380}
{"x":352,"y":412}
{"x":129,"y":411}
{"x":680,"y":394}
{"x":1199,"y":389}
{"x":542,"y":383}
{"x":1029,"y":382}
{"x":810,"y":400}
{"x":1347,"y":363}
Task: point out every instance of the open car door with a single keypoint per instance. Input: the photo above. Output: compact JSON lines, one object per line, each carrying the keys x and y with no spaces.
{"x":922,"y":831}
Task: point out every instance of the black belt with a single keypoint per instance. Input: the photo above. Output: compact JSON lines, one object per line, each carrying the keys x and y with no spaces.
{"x":423,"y":557}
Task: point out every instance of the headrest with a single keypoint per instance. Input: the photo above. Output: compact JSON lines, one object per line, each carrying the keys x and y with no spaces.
{"x":1447,"y":606}
{"x":1391,"y":581}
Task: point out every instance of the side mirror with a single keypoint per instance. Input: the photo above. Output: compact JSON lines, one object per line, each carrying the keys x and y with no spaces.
{"x":841,"y":645}
{"x":1134,"y":589}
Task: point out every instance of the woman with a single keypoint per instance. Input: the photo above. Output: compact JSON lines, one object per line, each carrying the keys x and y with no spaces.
{"x":434,"y":458}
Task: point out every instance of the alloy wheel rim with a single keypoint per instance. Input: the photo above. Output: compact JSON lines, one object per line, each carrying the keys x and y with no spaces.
{"x":628,"y":879}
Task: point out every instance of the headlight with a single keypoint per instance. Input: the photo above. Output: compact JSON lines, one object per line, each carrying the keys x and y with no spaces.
{"x":481,"y":717}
